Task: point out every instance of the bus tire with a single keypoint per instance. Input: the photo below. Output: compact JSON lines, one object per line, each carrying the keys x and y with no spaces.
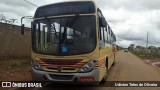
{"x":105,"y":76}
{"x":114,"y":61}
{"x":104,"y":79}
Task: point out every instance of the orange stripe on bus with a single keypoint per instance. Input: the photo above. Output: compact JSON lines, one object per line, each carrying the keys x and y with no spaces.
{"x":100,"y":62}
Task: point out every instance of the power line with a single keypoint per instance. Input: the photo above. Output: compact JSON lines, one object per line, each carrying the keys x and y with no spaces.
{"x":30,"y":3}
{"x":38,"y":2}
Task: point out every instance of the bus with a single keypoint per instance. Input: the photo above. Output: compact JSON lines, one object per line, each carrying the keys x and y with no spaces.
{"x":71,"y":42}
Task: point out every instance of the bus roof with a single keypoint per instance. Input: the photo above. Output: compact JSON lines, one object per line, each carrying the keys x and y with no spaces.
{"x":66,"y":8}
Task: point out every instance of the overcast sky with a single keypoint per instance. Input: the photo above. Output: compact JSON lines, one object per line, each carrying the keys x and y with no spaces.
{"x":130,"y":20}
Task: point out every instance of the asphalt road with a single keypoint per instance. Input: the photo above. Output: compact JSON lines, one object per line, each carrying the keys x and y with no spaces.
{"x":128,"y":67}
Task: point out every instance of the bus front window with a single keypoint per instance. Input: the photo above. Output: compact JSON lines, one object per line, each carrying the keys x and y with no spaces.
{"x":64,"y":36}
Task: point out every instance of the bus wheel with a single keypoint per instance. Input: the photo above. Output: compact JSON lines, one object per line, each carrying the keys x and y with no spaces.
{"x":104,"y":78}
{"x":114,"y":60}
{"x":106,"y":72}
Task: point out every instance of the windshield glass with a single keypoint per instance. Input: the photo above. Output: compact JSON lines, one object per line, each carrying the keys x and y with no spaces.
{"x":64,"y":36}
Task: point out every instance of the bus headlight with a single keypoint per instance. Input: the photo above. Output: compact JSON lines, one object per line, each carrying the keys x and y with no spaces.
{"x":88,"y":67}
{"x":35,"y":65}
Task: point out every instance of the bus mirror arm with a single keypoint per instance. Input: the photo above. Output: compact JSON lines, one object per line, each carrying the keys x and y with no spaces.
{"x":22,"y":29}
{"x":22,"y":25}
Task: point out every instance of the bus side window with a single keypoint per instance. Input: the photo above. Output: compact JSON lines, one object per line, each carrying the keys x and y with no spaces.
{"x":105,"y":34}
{"x":102,"y":36}
{"x":111,"y":37}
{"x":102,"y":40}
{"x":108,"y":30}
{"x":101,"y":30}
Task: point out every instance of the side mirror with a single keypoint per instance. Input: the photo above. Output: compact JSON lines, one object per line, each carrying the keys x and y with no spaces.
{"x":22,"y":29}
{"x":102,"y":22}
{"x":31,"y":25}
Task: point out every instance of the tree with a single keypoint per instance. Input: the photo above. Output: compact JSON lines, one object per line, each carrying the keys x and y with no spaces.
{"x":3,"y":19}
{"x":13,"y":20}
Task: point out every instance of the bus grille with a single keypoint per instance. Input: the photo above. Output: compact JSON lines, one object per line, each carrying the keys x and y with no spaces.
{"x":61,"y":65}
{"x":61,"y":77}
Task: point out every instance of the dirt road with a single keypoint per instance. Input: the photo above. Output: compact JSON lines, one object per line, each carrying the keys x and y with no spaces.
{"x":128,"y":67}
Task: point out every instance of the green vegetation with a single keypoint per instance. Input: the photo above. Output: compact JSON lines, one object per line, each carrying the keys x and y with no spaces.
{"x":145,"y":55}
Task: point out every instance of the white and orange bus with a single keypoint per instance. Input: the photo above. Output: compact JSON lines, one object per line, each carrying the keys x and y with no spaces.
{"x":71,"y":42}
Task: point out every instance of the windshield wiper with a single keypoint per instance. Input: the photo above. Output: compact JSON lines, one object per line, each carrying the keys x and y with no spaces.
{"x":73,"y":21}
{"x":64,"y":48}
{"x":68,"y":25}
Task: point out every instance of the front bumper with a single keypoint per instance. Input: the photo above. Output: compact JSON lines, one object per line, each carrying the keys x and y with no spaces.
{"x":38,"y":75}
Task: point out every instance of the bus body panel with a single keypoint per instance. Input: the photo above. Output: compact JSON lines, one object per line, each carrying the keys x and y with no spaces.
{"x":44,"y":75}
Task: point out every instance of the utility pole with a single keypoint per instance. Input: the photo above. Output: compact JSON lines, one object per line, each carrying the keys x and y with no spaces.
{"x":147,"y":43}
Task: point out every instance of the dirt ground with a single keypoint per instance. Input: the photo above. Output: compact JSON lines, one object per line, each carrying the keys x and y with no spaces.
{"x":18,"y":69}
{"x":128,"y":67}
{"x":15,"y":69}
{"x":155,"y":62}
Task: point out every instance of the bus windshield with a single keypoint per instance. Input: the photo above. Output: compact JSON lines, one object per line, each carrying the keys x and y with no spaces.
{"x":64,"y":36}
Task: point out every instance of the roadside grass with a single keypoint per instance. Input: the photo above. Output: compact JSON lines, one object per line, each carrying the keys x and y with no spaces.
{"x":145,"y":55}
